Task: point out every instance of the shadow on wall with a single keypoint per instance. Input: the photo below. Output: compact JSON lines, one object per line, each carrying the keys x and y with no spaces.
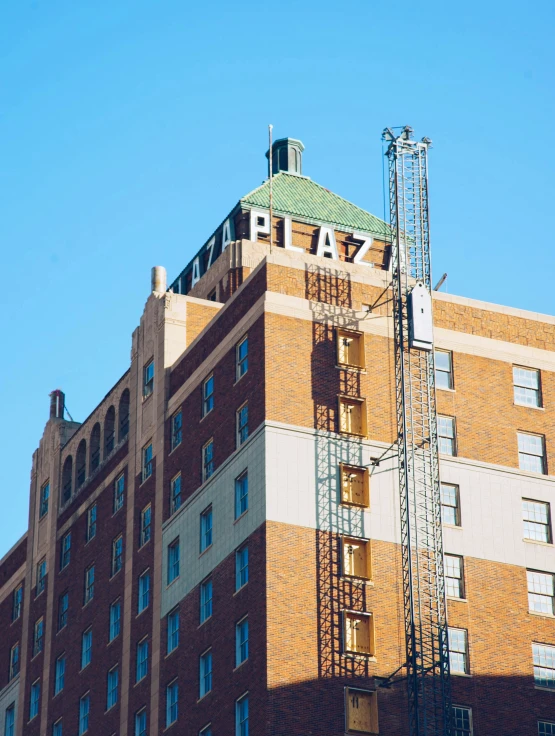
{"x":500,"y":706}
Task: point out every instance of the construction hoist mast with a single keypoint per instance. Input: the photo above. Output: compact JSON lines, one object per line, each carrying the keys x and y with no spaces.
{"x":429,"y":692}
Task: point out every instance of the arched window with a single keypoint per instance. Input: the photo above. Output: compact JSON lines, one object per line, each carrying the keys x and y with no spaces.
{"x":95,"y":448}
{"x":123,"y":415}
{"x":67,"y":476}
{"x":109,"y":431}
{"x":81,"y":464}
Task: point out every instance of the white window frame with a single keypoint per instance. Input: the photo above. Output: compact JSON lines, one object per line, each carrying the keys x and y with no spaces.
{"x":174,"y":555}
{"x":145,"y":525}
{"x":241,"y":643}
{"x":59,"y":673}
{"x":91,"y":523}
{"x":440,"y":372}
{"x":239,"y":570}
{"x":141,"y":662}
{"x":242,"y":424}
{"x":544,"y":732}
{"x":34,"y":699}
{"x":525,"y":454}
{"x":462,"y":731}
{"x":143,"y":592}
{"x":450,"y":564}
{"x":531,"y":512}
{"x":525,"y":388}
{"x":206,"y":529}
{"x":63,"y":611}
{"x":84,"y":713}
{"x":207,"y":460}
{"x":119,"y":492}
{"x":444,"y":505}
{"x":205,"y":602}
{"x":65,"y":550}
{"x":239,"y":721}
{"x":208,"y":395}
{"x":241,"y":363}
{"x":148,"y":459}
{"x":172,"y":631}
{"x":140,"y":715}
{"x":241,"y":494}
{"x":148,"y":378}
{"x":176,"y":429}
{"x":86,"y":647}
{"x":15,"y":661}
{"x":41,"y":576}
{"x":175,"y":498}
{"x":463,"y":652}
{"x":117,"y":555}
{"x":89,"y":584}
{"x":544,"y":663}
{"x":171,"y":705}
{"x":112,"y":634}
{"x":112,"y":690}
{"x":541,"y":592}
{"x":205,"y":675}
{"x":446,"y":441}
{"x":44,"y":500}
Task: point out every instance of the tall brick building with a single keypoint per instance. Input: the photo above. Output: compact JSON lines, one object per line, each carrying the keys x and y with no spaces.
{"x":214,"y":550}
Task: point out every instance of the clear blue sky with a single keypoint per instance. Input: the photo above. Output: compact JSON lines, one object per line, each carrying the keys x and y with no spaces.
{"x":128,"y":130}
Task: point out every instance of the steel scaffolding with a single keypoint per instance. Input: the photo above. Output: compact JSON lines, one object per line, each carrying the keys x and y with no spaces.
{"x":427,"y":663}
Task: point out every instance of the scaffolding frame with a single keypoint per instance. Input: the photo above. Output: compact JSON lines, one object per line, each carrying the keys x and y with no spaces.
{"x":426,"y":634}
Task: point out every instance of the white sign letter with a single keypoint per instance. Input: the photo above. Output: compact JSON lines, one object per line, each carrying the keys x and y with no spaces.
{"x":364,"y":248}
{"x":260,"y":223}
{"x":210,"y":247}
{"x":226,"y":235}
{"x":326,"y":243}
{"x":195,"y":276}
{"x":288,"y":236}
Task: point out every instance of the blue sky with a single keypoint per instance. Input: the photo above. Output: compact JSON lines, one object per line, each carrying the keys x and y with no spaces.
{"x":128,"y":130}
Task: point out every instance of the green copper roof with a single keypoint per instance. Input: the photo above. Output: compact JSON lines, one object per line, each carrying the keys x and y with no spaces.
{"x":301,"y":197}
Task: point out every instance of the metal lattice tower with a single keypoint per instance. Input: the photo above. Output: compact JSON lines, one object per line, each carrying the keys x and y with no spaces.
{"x":429,"y":692}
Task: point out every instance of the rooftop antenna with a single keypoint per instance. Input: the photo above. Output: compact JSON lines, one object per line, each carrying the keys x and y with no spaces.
{"x":270,"y":128}
{"x":440,"y":283}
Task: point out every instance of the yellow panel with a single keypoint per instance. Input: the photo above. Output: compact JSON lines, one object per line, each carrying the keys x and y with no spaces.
{"x":362,"y":711}
{"x":358,"y":636}
{"x":350,"y":349}
{"x":356,"y":558}
{"x":354,"y":485}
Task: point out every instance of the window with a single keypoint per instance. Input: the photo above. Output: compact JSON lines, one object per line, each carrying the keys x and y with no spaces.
{"x":44,"y":496}
{"x":119,"y":492}
{"x":462,"y":721}
{"x":212,"y":296}
{"x":242,"y":357}
{"x":527,"y":389}
{"x":454,"y":576}
{"x":205,"y":600}
{"x":458,"y":651}
{"x":444,"y":369}
{"x":242,"y":422}
{"x":140,"y":723}
{"x":207,"y":460}
{"x":545,"y":728}
{"x":112,"y":687}
{"x":17,"y":602}
{"x":241,"y":641}
{"x":115,"y":619}
{"x":175,"y":493}
{"x":361,"y":708}
{"x":148,"y":378}
{"x":446,"y":435}
{"x":117,"y":554}
{"x":144,"y":591}
{"x":540,"y":592}
{"x":84,"y":709}
{"x":34,"y":700}
{"x":355,"y":487}
{"x":147,"y":461}
{"x":173,"y":560}
{"x":350,"y":349}
{"x":207,"y":395}
{"x":450,"y":510}
{"x":91,"y":523}
{"x":57,"y":728}
{"x":60,"y":673}
{"x":65,"y":550}
{"x":241,"y":494}
{"x":206,"y":529}
{"x":206,"y":731}
{"x":172,"y":695}
{"x":356,"y":556}
{"x":352,"y":416}
{"x":544,"y":665}
{"x":41,"y":576}
{"x":173,"y":630}
{"x":38,"y":637}
{"x":142,"y":660}
{"x":358,"y":633}
{"x":89,"y":584}
{"x":63,"y":606}
{"x":177,"y":429}
{"x":205,"y":681}
{"x":531,"y":454}
{"x":242,"y":716}
{"x":9,"y":721}
{"x":144,"y":536}
{"x":241,"y":567}
{"x":14,"y":661}
{"x":86,"y":648}
{"x":537,"y":522}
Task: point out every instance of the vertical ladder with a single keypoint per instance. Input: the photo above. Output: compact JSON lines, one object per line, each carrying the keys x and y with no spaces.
{"x":421,"y":533}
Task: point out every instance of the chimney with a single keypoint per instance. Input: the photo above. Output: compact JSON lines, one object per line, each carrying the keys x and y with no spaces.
{"x":286,"y":156}
{"x":57,"y":404}
{"x":158,"y":279}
